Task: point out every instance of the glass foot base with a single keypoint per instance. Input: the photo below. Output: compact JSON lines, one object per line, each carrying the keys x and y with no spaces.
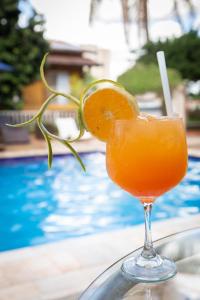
{"x":149,"y":270}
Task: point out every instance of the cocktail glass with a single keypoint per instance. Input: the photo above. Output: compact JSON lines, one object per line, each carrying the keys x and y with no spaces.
{"x":147,"y":157}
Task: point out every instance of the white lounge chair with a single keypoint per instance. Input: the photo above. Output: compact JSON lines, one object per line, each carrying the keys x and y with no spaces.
{"x":67,"y":129}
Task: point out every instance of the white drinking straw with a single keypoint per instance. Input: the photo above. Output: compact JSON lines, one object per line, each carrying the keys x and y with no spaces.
{"x":165,"y":82}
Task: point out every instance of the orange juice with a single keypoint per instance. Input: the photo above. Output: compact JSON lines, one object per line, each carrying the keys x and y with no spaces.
{"x":147,"y":156}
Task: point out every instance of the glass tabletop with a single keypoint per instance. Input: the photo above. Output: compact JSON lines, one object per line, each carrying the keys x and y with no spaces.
{"x":183,"y":248}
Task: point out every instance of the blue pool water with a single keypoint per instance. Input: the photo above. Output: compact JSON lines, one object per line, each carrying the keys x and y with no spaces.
{"x":38,"y":205}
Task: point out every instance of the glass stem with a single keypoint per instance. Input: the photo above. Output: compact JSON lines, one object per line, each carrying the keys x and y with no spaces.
{"x":148,"y":250}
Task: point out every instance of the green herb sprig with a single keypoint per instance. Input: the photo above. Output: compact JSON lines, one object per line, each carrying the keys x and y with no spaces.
{"x":48,"y":136}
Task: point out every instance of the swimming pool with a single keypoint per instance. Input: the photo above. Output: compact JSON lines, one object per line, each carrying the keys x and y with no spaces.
{"x":38,"y":205}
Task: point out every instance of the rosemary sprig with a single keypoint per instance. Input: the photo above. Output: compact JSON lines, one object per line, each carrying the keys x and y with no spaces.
{"x":48,"y":141}
{"x":48,"y":136}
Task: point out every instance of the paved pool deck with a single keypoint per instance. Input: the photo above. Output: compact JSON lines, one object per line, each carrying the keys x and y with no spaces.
{"x":39,"y":148}
{"x":62,"y":270}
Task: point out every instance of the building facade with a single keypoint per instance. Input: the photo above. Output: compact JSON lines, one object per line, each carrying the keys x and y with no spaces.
{"x":64,"y":67}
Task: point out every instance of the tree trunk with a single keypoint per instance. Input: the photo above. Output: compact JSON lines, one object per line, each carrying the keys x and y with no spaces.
{"x":178,"y":16}
{"x":143,"y":20}
{"x":126,"y":20}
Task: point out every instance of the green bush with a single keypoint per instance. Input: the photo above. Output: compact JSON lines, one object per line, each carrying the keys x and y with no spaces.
{"x":145,"y":78}
{"x":20,"y":47}
{"x":182,"y":54}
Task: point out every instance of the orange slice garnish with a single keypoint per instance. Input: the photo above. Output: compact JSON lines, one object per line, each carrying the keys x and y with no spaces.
{"x":104,"y":106}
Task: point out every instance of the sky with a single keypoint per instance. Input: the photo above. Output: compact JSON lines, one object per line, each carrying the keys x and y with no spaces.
{"x":67,"y":20}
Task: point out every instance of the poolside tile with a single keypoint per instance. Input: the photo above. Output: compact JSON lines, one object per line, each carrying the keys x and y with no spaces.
{"x":60,"y":258}
{"x":104,"y":248}
{"x":38,"y":148}
{"x":65,"y":262}
{"x":18,"y":254}
{"x":4,"y":280}
{"x":27,"y":291}
{"x":29,"y":269}
{"x":67,"y":284}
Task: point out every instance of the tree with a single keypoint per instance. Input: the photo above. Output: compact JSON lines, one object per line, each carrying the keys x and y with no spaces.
{"x":181,"y":54}
{"x":20,"y":47}
{"x":146,"y":78}
{"x":128,"y":6}
{"x":138,"y":11}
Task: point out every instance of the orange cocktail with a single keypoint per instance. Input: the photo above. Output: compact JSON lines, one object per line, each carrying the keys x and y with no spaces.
{"x":147,"y":156}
